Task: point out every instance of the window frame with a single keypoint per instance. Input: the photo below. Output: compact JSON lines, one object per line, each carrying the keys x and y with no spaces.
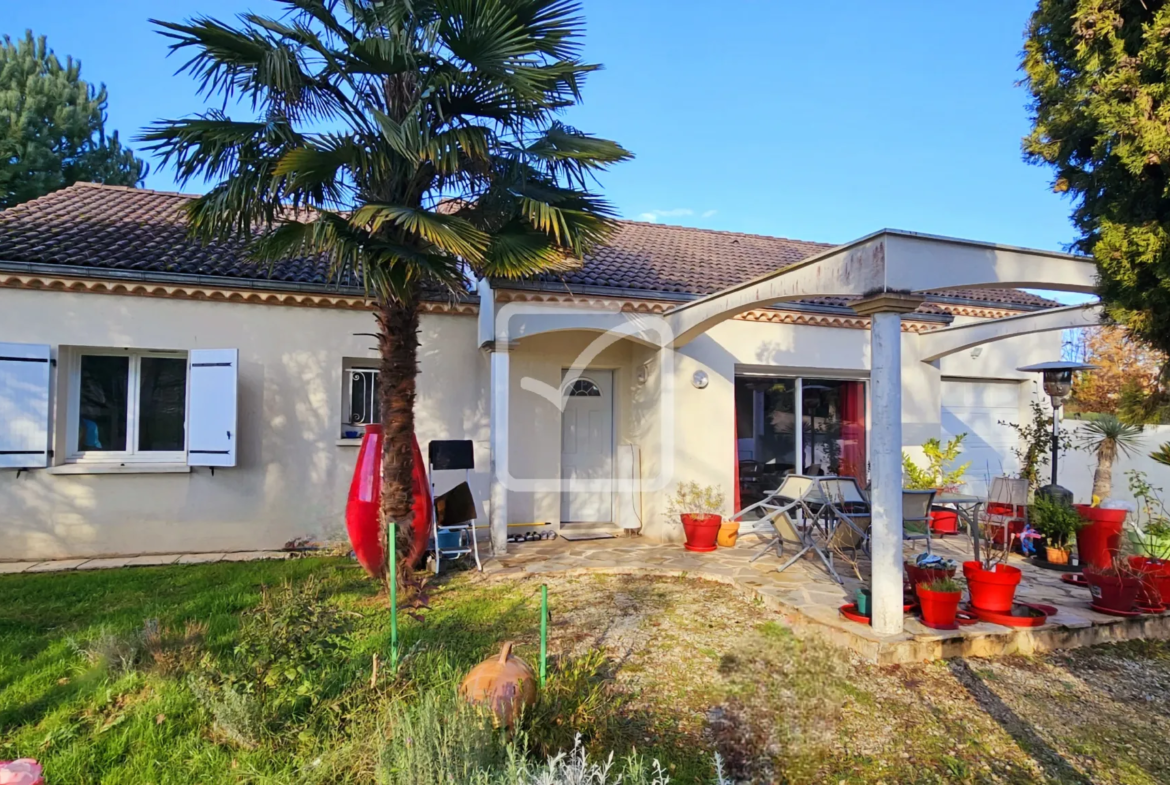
{"x":133,"y":409}
{"x":350,"y":366}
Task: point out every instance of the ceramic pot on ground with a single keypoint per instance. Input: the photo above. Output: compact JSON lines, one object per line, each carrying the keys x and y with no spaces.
{"x":701,"y":530}
{"x":938,"y":607}
{"x":728,"y":532}
{"x":1112,"y":591}
{"x":1056,"y":555}
{"x":1099,"y":541}
{"x":505,"y":684}
{"x":992,"y":590}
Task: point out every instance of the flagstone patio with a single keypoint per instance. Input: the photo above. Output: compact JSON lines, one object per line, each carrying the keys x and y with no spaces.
{"x":810,"y":598}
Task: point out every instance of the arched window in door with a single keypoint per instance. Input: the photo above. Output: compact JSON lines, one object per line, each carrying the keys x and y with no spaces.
{"x":584,"y":388}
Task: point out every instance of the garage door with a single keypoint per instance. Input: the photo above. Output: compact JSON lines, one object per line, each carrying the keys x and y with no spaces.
{"x":976,"y":409}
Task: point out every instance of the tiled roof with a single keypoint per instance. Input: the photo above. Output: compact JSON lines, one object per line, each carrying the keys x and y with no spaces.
{"x":127,"y":229}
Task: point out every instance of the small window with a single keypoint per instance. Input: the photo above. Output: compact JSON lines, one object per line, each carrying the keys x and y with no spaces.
{"x":364,"y":406}
{"x":129,"y":405}
{"x":584,"y":388}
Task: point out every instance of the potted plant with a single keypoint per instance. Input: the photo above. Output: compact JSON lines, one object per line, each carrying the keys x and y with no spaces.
{"x":928,"y":567}
{"x":1114,"y":588}
{"x":939,"y":602}
{"x":1058,"y":522}
{"x":936,"y":477}
{"x":990,"y":582}
{"x":1150,"y":527}
{"x":700,"y":510}
{"x":1106,"y":435}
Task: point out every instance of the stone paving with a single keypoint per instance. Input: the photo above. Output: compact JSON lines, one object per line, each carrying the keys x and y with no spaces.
{"x":808,"y":597}
{"x":112,"y":562}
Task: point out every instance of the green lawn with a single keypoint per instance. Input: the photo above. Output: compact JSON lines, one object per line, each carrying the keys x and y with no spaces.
{"x":280,"y":690}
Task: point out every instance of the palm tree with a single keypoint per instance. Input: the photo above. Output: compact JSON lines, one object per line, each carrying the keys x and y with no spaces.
{"x":1107,"y":434}
{"x":411,"y":144}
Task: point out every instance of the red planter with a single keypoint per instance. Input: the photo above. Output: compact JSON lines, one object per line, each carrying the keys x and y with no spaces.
{"x":938,"y":607}
{"x":1099,"y":542}
{"x":701,"y":531}
{"x":1155,"y":575}
{"x":944,"y":521}
{"x":1113,"y":592}
{"x":993,"y":590}
{"x":362,"y":519}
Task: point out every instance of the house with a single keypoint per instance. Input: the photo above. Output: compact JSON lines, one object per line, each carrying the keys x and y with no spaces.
{"x":161,"y":396}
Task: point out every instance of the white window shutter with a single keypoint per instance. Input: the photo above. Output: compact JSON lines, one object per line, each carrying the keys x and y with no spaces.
{"x":211,"y":414}
{"x":24,"y":405}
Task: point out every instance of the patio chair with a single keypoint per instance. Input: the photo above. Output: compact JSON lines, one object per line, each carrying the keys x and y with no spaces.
{"x":916,"y":516}
{"x":800,"y":495}
{"x":846,"y":516}
{"x":1006,"y":511}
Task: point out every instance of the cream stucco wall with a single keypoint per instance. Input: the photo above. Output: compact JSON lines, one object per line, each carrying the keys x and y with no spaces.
{"x":292,"y":476}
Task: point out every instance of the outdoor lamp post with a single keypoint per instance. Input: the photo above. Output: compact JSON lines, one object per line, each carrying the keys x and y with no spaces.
{"x":1058,"y":385}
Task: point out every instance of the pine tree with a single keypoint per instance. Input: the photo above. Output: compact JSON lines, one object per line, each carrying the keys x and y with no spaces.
{"x":52,"y":126}
{"x":1099,"y":74}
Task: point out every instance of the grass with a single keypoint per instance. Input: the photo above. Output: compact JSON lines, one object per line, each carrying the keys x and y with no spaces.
{"x":675,"y":669}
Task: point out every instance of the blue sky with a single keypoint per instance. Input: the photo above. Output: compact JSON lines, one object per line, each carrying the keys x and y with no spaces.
{"x":809,"y":120}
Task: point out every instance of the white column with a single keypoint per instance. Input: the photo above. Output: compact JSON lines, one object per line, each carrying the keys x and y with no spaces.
{"x":885,"y":454}
{"x":500,"y":379}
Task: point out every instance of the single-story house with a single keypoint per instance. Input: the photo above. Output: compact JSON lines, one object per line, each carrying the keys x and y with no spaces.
{"x":162,"y":396}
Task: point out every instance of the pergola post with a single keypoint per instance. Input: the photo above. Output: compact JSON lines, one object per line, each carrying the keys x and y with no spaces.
{"x":885,"y":454}
{"x":500,"y":393}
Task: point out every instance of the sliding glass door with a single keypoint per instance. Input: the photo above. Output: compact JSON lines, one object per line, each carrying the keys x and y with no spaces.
{"x":797,"y":425}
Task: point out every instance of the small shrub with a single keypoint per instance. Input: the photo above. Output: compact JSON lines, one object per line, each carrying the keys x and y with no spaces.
{"x":152,"y":647}
{"x":948,"y":585}
{"x":578,"y":704}
{"x":439,"y":740}
{"x":235,"y":714}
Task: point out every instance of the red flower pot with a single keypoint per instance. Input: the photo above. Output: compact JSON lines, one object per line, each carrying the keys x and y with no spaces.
{"x":1155,"y":576}
{"x":992,"y":590}
{"x":1113,"y":592}
{"x":944,"y":521}
{"x":938,"y":607}
{"x":701,"y":531}
{"x":1098,"y":543}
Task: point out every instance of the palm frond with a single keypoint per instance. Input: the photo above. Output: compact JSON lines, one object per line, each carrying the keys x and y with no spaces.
{"x":447,"y":233}
{"x":1108,"y":428}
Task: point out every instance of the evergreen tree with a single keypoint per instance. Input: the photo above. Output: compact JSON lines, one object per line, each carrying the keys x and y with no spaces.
{"x":1099,"y":74}
{"x":52,"y":126}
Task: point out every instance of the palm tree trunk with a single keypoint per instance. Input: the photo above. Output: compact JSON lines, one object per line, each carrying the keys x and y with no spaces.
{"x":1103,"y":475}
{"x":398,"y":344}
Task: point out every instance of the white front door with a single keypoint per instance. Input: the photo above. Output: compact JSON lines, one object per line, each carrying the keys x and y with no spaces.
{"x":587,"y":449}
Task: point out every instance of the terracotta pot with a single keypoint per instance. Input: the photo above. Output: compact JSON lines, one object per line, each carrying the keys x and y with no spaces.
{"x":1057,"y":555}
{"x":702,"y":530}
{"x":944,"y":521}
{"x":1099,"y":542}
{"x":505,"y":684}
{"x":992,"y":590}
{"x":1155,"y":577}
{"x":728,"y":532}
{"x":938,"y":607}
{"x":1111,"y":591}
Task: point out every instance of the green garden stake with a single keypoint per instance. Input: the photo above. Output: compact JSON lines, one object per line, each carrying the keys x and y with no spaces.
{"x":393,"y":548}
{"x":543,"y":631}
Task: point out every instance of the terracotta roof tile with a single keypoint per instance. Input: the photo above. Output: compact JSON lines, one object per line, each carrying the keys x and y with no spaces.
{"x":119,"y":228}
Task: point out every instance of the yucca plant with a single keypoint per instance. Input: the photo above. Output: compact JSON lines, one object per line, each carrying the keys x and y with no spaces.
{"x":1106,"y":435}
{"x":409,"y":143}
{"x":1162,"y":454}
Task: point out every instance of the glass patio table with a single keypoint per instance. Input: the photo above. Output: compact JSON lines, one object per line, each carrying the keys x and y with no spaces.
{"x":967,"y":507}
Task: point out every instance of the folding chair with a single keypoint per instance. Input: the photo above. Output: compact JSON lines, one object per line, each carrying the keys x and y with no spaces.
{"x":916,"y":514}
{"x":453,"y":455}
{"x":846,"y":516}
{"x":1006,"y":511}
{"x":800,"y":494}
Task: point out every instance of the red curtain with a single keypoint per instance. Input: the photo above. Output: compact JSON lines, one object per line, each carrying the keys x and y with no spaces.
{"x":853,"y":430}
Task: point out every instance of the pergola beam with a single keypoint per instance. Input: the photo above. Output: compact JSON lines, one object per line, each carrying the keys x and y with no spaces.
{"x":939,"y":343}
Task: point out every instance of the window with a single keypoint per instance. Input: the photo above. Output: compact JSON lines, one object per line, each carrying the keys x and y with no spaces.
{"x":584,"y":388}
{"x":128,"y":405}
{"x":364,"y":406}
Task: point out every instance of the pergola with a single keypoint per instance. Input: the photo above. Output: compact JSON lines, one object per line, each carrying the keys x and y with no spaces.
{"x":890,"y":272}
